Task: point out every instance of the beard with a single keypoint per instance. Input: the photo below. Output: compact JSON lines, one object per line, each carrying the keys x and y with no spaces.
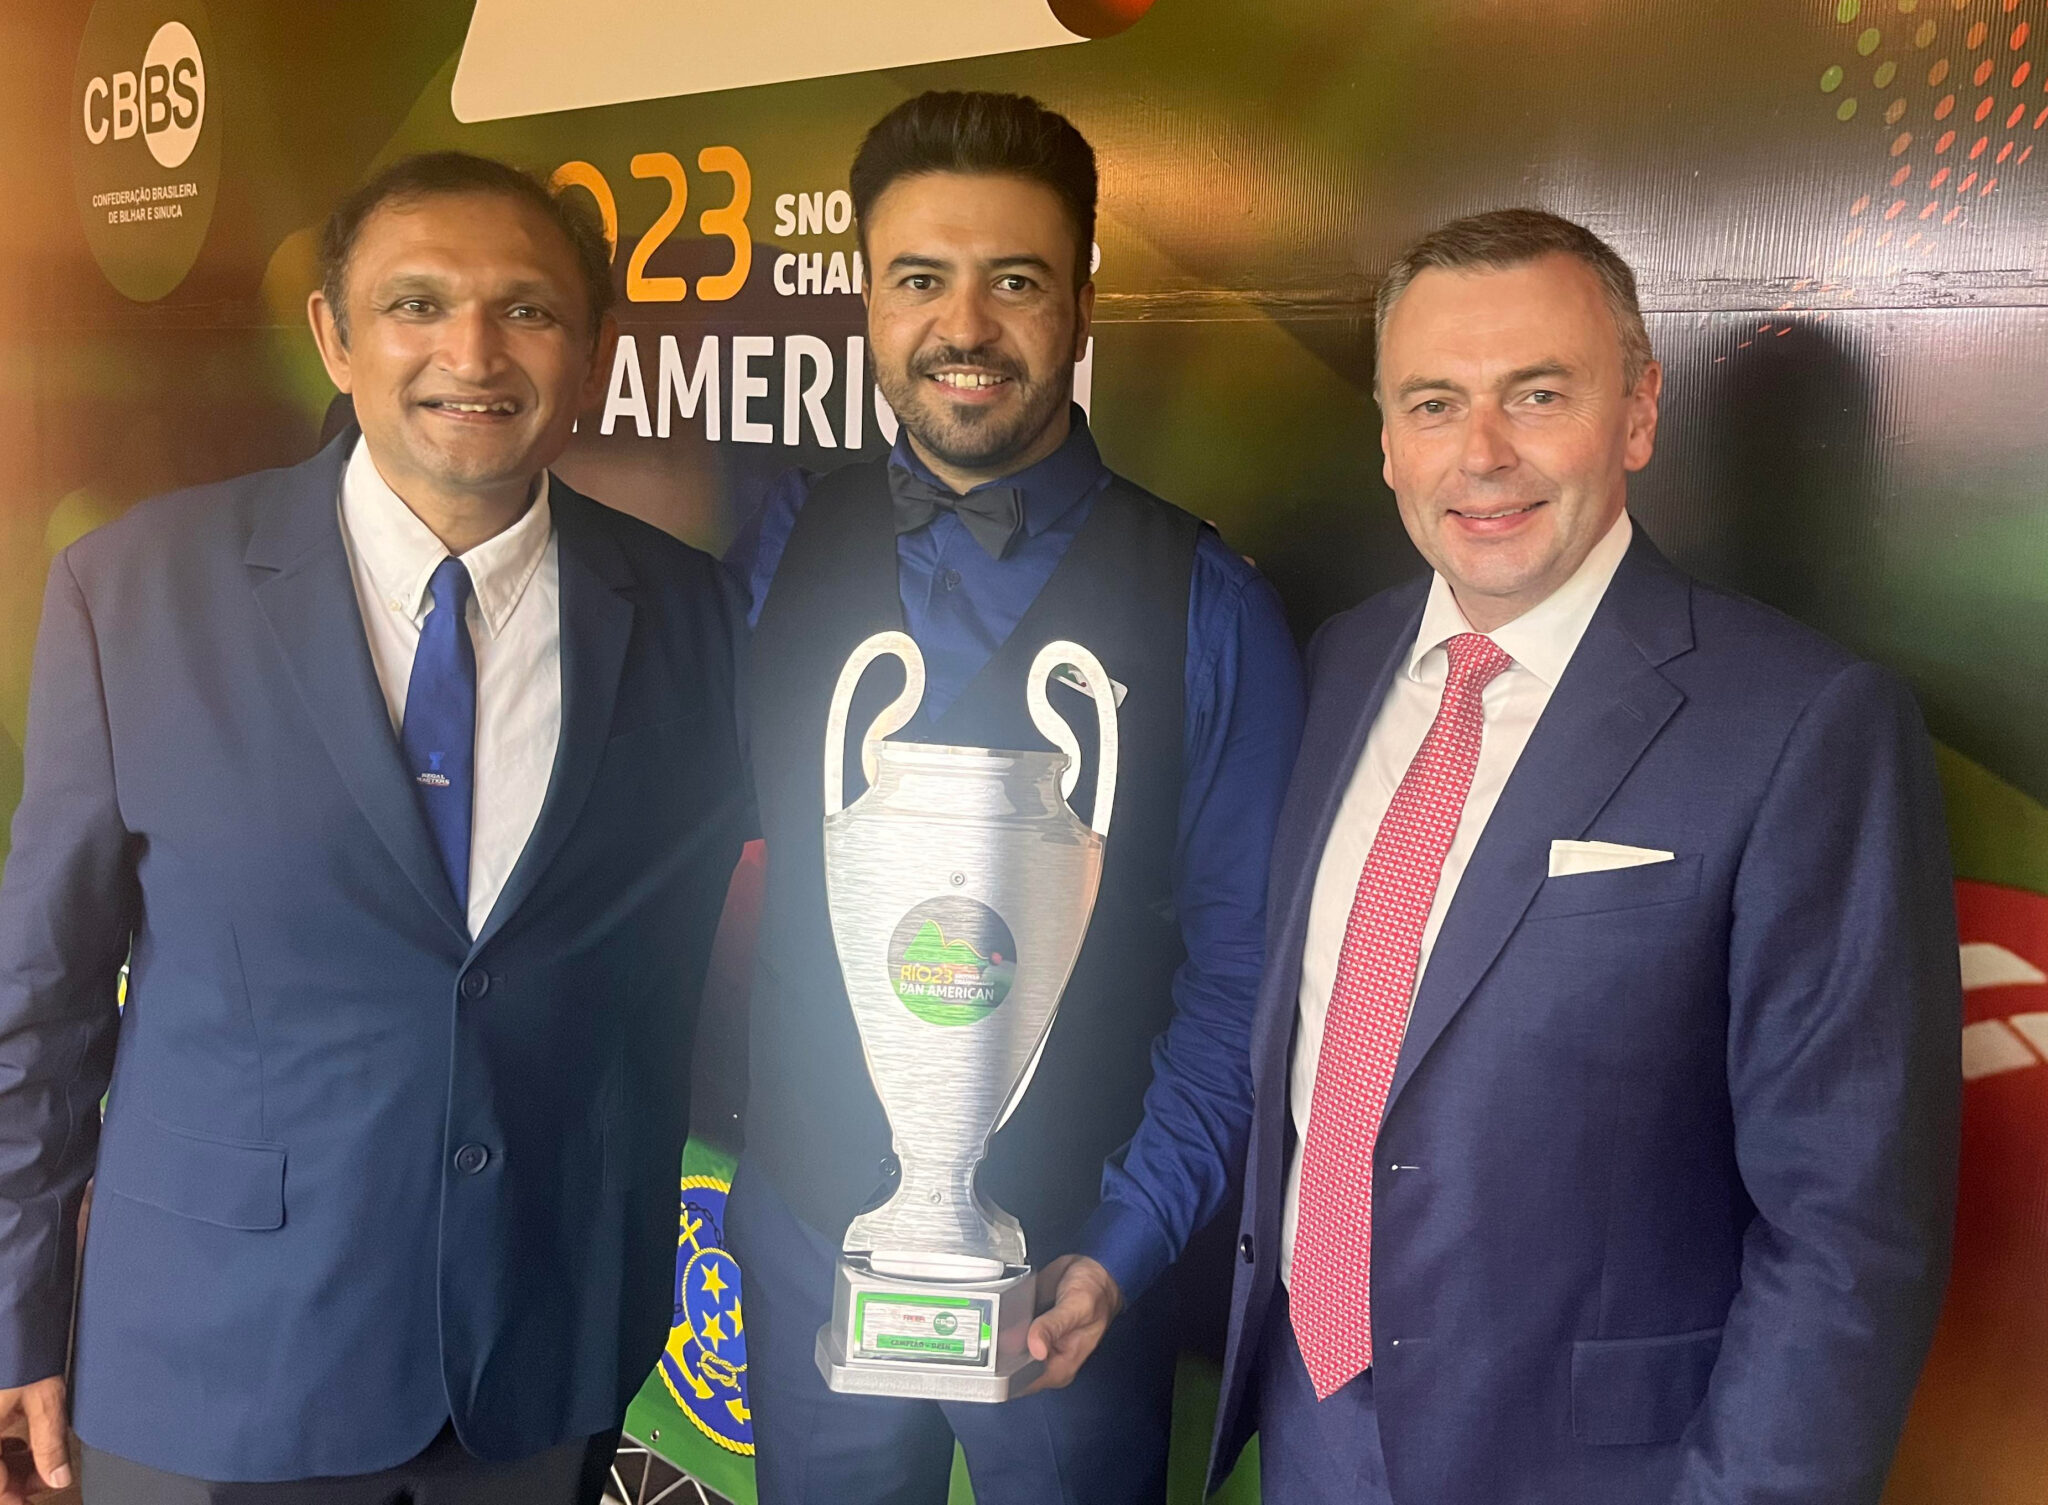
{"x":973,"y":438}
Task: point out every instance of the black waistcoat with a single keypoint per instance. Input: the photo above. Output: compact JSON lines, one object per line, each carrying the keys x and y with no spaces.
{"x":814,"y":1125}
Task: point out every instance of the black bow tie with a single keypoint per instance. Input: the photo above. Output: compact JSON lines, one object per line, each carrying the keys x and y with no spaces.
{"x":994,"y":515}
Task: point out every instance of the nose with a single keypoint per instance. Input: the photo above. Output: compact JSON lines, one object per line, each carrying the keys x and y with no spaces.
{"x":471,"y":344}
{"x":1489,"y":447}
{"x":967,"y":318}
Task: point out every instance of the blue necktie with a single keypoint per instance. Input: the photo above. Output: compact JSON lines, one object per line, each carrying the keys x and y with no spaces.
{"x":439,"y":739}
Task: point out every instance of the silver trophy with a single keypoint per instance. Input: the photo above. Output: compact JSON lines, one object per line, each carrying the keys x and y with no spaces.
{"x":960,"y":886}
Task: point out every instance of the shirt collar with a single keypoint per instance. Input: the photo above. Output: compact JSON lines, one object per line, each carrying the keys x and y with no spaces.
{"x":1049,"y":488}
{"x":401,"y":552}
{"x":1543,"y":638}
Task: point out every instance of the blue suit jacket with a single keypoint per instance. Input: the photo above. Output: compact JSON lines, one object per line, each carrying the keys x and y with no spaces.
{"x":1663,"y":1192}
{"x":293,"y":1269}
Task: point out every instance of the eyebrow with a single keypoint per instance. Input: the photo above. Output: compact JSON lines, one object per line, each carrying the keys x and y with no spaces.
{"x":525,"y":289}
{"x":911,"y":261}
{"x":1416,"y":384}
{"x":409,"y":282}
{"x":1541,"y":369}
{"x":1537,"y":372}
{"x":531,"y":289}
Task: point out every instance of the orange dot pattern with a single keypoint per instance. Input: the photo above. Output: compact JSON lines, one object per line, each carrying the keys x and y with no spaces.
{"x":1886,"y":48}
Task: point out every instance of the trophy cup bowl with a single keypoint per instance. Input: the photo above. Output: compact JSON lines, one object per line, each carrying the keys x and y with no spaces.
{"x":960,"y":887}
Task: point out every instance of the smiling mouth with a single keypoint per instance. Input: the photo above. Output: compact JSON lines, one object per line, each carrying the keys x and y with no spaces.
{"x":503,"y":407}
{"x":969,"y":381}
{"x":1492,"y":517}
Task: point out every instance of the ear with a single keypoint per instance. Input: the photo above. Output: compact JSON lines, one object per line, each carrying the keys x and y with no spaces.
{"x":1386,"y":455}
{"x":598,"y":377}
{"x":1642,"y":418}
{"x":327,"y":339}
{"x":1084,"y":321}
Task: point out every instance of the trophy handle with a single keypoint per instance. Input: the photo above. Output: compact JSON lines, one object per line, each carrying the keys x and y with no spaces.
{"x":1060,"y":735}
{"x":894,"y":716}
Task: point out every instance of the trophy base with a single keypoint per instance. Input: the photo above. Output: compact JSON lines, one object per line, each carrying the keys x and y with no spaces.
{"x":928,"y":1339}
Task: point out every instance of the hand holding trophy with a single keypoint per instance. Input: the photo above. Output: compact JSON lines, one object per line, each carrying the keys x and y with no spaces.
{"x":960,"y":887}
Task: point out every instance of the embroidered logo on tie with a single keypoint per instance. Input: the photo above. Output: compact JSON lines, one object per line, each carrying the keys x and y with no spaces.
{"x":433,"y":778}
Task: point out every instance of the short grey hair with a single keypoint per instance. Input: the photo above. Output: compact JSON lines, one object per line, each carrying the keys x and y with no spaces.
{"x":1504,"y":238}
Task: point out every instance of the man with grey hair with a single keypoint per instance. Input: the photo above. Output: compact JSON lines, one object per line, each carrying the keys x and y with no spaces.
{"x":1605,"y":1071}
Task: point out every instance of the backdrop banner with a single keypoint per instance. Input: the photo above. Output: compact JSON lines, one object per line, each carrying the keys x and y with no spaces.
{"x":1838,"y":210}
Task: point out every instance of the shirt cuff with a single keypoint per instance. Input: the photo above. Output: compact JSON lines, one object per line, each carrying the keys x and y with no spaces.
{"x":1129,"y":1244}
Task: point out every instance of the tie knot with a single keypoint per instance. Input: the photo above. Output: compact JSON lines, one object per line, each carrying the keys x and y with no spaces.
{"x":450,"y":586}
{"x":1476,"y":660}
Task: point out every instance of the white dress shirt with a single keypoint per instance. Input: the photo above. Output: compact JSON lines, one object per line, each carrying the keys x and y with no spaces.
{"x":1541,"y":642}
{"x":515,"y":623}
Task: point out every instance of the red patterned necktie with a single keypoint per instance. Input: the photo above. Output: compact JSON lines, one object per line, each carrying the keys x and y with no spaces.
{"x":1329,"y":1287}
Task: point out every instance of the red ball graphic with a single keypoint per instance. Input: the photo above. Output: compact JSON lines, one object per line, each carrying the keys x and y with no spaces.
{"x":1975,"y":1435}
{"x":1098,"y":18}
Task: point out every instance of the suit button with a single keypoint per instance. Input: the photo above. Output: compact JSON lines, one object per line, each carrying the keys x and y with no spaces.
{"x":475,"y":985}
{"x":472,"y":1158}
{"x":1244,"y":1248}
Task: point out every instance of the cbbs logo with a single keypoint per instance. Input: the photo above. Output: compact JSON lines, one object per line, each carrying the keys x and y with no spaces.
{"x":165,"y":100}
{"x":146,"y":140}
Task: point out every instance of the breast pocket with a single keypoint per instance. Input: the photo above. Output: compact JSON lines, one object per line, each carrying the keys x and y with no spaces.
{"x":229,"y":1182}
{"x":1617,"y":888}
{"x":1637,"y":1390}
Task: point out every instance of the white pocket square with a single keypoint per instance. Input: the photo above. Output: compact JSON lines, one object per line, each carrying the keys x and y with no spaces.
{"x":1568,"y":857}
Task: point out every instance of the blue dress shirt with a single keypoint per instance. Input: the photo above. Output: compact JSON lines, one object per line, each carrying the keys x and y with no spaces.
{"x":1243,"y":720}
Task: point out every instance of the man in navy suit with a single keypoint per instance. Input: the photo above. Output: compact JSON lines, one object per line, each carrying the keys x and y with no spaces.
{"x":406,"y":784}
{"x":1606,"y":1068}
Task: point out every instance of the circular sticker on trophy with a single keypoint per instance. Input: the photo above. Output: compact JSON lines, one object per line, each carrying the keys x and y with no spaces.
{"x":952,"y":960}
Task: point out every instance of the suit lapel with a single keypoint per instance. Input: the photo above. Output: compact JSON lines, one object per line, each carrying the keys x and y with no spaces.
{"x":1606,"y":711}
{"x":302,"y":584}
{"x":597,"y":625}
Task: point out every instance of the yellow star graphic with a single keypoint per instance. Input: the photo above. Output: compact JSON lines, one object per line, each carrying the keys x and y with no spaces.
{"x":712,"y":1334}
{"x":714,"y":1285}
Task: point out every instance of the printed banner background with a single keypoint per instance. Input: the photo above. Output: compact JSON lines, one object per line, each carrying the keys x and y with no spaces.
{"x":1839,"y":212}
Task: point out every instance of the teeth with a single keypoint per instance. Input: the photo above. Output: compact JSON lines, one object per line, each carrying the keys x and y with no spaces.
{"x":475,"y":407}
{"x":968,"y":379}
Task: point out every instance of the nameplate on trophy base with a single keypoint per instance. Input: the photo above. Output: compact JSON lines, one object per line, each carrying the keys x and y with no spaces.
{"x":928,"y":1340}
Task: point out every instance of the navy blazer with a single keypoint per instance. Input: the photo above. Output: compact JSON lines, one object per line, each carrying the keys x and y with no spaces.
{"x":359,"y":1174}
{"x":1663,"y":1192}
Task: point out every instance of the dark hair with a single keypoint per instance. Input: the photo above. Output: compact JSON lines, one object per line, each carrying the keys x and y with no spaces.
{"x":429,"y":174}
{"x":1503,"y":238}
{"x":979,"y":132}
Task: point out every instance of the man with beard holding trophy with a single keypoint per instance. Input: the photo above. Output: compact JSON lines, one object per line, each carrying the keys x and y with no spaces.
{"x":992,"y":530}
